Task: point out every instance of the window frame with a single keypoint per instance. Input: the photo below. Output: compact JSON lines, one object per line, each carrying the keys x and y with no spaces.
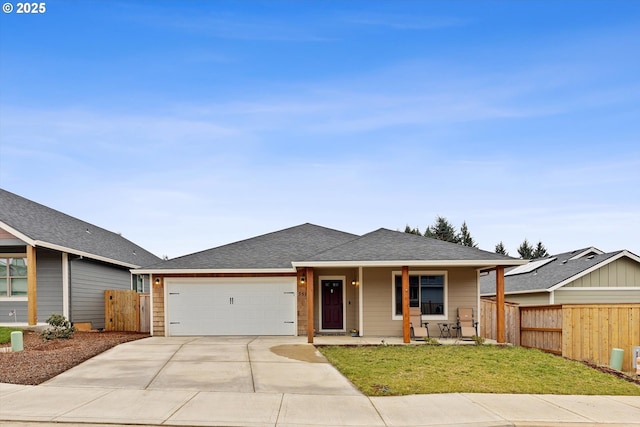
{"x":445,"y":313}
{"x":8,"y":277}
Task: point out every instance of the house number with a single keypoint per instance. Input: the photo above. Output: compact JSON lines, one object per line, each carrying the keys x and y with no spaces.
{"x":302,"y":294}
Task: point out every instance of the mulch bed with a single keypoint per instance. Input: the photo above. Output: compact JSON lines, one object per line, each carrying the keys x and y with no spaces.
{"x":42,"y":360}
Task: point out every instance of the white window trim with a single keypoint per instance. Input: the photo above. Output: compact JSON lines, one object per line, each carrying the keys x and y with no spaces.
{"x":19,"y":297}
{"x":445,"y":273}
{"x":344,"y":299}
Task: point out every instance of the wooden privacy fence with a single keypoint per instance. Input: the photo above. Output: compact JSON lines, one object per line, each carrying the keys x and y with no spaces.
{"x":488,"y":322}
{"x":577,"y":331}
{"x":126,"y":311}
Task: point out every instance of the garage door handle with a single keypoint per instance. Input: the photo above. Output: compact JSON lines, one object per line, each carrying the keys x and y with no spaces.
{"x":291,"y":293}
{"x":288,"y":322}
{"x":174,"y":323}
{"x":174,"y":293}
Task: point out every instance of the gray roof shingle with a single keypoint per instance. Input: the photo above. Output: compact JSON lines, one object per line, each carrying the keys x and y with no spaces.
{"x":388,"y":245}
{"x":546,"y":276}
{"x":269,"y":251}
{"x":51,"y":227}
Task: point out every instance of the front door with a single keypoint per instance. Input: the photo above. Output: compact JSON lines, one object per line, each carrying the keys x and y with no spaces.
{"x":332,"y":304}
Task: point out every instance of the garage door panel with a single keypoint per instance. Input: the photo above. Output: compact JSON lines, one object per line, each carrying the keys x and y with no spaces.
{"x":232,"y":307}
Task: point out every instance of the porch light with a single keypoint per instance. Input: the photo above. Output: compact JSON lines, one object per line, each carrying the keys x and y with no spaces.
{"x":354,"y":282}
{"x":302,"y":280}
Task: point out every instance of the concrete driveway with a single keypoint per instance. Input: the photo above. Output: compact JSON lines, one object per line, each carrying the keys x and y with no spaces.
{"x":223,"y":364}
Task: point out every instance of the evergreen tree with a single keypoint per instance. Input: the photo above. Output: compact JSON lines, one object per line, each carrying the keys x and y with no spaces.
{"x":540,"y":251}
{"x":442,"y":230}
{"x":465,"y":238}
{"x":500,"y":249}
{"x":525,"y":250}
{"x":410,"y":230}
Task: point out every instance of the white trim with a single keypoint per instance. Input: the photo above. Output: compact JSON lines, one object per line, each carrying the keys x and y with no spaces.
{"x":599,"y":265}
{"x":445,"y":273}
{"x":478,"y":302}
{"x":586,"y":251}
{"x":412,"y":263}
{"x":601,"y":288}
{"x":161,"y":271}
{"x":65,"y":285}
{"x":552,"y":297}
{"x":344,"y":299}
{"x":59,"y":248}
{"x":14,"y":299}
{"x":360,"y":302}
{"x":29,"y":241}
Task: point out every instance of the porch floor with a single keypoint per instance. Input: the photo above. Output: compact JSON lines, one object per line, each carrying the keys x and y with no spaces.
{"x":349,"y":340}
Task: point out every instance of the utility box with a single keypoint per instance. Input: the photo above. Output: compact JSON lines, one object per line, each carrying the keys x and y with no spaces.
{"x":635,"y":355}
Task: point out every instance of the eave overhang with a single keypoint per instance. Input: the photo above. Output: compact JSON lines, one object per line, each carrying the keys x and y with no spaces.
{"x":179,"y":271}
{"x":484,"y":264}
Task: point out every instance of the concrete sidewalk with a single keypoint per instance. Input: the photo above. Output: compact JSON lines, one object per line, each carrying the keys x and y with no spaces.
{"x":268,"y":381}
{"x":42,"y":404}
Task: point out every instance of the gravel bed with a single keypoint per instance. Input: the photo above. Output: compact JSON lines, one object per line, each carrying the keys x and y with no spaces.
{"x":42,"y":360}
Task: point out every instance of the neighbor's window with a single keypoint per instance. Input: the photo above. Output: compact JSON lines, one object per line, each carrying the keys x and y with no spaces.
{"x":13,"y":277}
{"x":427,"y":291}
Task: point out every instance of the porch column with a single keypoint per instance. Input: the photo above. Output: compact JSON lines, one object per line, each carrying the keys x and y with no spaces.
{"x":406,"y":327}
{"x":500,"y":336}
{"x":32,"y":295}
{"x":310,"y":319}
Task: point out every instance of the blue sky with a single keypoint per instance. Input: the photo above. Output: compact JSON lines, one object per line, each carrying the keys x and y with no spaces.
{"x":185,"y":125}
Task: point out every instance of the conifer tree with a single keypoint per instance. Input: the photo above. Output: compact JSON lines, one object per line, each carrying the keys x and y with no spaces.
{"x":540,"y":251}
{"x":525,"y":250}
{"x":442,"y":230}
{"x":465,"y":238}
{"x":500,"y":249}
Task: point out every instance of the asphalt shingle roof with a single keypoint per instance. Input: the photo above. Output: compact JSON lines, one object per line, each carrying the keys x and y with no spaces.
{"x":388,"y":245}
{"x":49,"y":226}
{"x":268,"y":251}
{"x":545,"y":277}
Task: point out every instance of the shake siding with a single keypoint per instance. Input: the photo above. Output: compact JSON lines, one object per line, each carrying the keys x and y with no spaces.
{"x":89,"y":280}
{"x":620,"y":273}
{"x":49,"y":283}
{"x":597,"y":296}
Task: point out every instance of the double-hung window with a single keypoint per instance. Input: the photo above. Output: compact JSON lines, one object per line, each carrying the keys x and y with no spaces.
{"x":13,"y":276}
{"x":427,"y":290}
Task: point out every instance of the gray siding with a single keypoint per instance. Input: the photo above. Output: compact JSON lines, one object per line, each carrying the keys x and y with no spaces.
{"x":49,"y":283}
{"x":19,"y":306}
{"x":89,"y":280}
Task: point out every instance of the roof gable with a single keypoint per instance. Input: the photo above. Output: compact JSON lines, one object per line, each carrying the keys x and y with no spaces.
{"x":274,"y":250}
{"x":562,"y":269}
{"x":393,"y":246}
{"x":42,"y":226}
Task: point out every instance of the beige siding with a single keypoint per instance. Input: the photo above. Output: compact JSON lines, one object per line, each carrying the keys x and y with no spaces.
{"x":623,"y":272}
{"x":351,"y":298}
{"x":462,"y":291}
{"x":538,"y":298}
{"x":587,"y":296}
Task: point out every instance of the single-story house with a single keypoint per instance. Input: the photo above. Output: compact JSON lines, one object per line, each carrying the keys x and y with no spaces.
{"x":51,"y":263}
{"x":583,"y":276}
{"x":310,"y":279}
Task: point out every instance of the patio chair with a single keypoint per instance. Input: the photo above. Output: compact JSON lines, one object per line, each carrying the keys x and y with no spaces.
{"x":419,"y":328}
{"x":467,"y":326}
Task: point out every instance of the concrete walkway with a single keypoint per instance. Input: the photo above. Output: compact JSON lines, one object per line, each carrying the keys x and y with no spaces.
{"x":268,"y":381}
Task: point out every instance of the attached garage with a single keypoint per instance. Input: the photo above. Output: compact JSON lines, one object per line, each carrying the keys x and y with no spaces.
{"x":231,"y":306}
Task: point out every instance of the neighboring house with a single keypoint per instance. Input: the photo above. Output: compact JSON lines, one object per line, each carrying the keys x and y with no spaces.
{"x":581,"y":276}
{"x":310,"y":278}
{"x":51,"y":262}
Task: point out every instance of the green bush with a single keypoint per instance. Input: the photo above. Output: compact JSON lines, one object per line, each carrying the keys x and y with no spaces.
{"x":478,"y":340}
{"x":60,"y":327}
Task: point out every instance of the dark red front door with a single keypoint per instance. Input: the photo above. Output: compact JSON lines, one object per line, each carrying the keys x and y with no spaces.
{"x":332,"y":304}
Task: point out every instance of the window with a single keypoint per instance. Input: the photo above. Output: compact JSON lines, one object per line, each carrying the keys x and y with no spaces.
{"x":426,"y":290}
{"x":13,"y":276}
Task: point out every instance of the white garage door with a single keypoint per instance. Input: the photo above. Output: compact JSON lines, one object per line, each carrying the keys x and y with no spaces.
{"x":231,"y":306}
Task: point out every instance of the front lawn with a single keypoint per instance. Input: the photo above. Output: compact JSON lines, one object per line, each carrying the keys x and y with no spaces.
{"x":5,"y":334}
{"x":424,"y":369}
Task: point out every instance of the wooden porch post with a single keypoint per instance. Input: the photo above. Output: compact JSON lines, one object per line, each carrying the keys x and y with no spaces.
{"x":406,"y":328}
{"x":500,"y":335}
{"x":32,"y":294}
{"x":310,"y":319}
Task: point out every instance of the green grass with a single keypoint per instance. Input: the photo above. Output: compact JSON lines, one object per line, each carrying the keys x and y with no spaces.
{"x":5,"y":334}
{"x":403,"y":370}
